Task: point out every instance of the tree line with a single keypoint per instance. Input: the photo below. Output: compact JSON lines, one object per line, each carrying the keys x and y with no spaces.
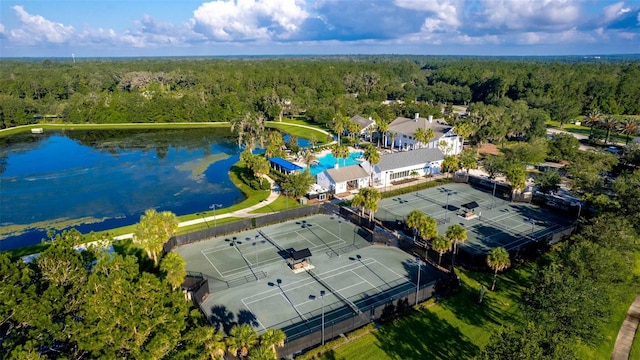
{"x":172,"y":90}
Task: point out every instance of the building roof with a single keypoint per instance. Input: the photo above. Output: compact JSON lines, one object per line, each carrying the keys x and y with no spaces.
{"x":363,"y":122}
{"x":300,"y":254}
{"x":407,"y":126}
{"x":347,"y":173}
{"x":408,"y":158}
{"x":287,"y":165}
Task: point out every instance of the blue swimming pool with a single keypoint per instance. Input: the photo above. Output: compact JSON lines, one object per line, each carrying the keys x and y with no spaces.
{"x":329,"y":161}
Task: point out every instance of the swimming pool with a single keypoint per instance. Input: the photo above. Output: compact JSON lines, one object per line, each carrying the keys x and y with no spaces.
{"x":329,"y":161}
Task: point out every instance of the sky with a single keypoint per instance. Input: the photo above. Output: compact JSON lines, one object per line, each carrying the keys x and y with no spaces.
{"x":135,"y":28}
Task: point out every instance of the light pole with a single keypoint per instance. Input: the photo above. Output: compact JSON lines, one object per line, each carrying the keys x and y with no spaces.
{"x":215,"y":219}
{"x":419,"y":262}
{"x":533,"y":224}
{"x":493,"y":199}
{"x":322,"y":297}
{"x":340,"y":229}
{"x":255,"y":243}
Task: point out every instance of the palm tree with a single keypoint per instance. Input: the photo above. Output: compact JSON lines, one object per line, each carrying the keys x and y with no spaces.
{"x":308,"y":158}
{"x":242,"y":338}
{"x":441,"y":244}
{"x":340,"y":152}
{"x":262,"y":353}
{"x":457,"y":233}
{"x":153,"y":230}
{"x":173,"y":266}
{"x":608,"y":123}
{"x":414,"y":219}
{"x":273,"y":338}
{"x":629,"y":127}
{"x":372,"y":156}
{"x":359,"y":201}
{"x":339,"y":125}
{"x":383,"y":127}
{"x":205,"y":341}
{"x":424,"y":136}
{"x":428,"y":228}
{"x":392,"y":135}
{"x":371,"y":199}
{"x":498,"y":260}
{"x":593,"y":119}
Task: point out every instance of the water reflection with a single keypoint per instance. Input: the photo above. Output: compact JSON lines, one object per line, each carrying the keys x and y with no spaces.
{"x":97,"y":180}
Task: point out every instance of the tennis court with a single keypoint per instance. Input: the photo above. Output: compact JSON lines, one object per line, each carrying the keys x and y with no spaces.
{"x":345,"y":277}
{"x":490,"y":221}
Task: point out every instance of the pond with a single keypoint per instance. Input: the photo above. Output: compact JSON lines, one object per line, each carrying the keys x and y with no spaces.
{"x":102,"y":179}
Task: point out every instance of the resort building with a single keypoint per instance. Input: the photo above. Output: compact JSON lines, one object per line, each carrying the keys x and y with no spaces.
{"x":344,"y":179}
{"x":367,"y":126}
{"x":402,"y":133}
{"x":404,"y":165}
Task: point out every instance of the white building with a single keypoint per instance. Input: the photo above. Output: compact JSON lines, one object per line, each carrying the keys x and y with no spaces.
{"x":404,"y":131}
{"x":344,"y":179}
{"x":403,"y":165}
{"x":367,"y":125}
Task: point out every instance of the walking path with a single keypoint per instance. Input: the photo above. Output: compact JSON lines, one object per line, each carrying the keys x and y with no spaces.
{"x":627,"y":332}
{"x":275,"y":192}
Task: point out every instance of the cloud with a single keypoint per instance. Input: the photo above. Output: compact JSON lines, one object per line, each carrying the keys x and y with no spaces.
{"x":37,"y":29}
{"x":527,"y":15}
{"x":245,"y":20}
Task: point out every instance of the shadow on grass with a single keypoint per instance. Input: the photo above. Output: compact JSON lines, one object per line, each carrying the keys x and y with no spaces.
{"x":425,"y":336}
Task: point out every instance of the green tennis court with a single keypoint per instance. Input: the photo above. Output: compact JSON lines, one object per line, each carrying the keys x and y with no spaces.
{"x":344,"y":267}
{"x":490,"y":221}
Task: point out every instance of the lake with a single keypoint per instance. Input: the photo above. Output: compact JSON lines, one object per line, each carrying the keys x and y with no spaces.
{"x":102,"y":179}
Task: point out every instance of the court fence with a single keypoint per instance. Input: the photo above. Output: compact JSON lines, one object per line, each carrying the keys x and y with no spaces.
{"x":300,"y":341}
{"x":246,"y":224}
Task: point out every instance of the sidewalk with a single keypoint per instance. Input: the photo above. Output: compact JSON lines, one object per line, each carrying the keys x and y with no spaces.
{"x":275,"y":192}
{"x":627,"y":332}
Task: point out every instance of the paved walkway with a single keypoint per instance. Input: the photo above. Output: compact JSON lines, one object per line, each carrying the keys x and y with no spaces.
{"x":275,"y":192}
{"x":627,"y":332}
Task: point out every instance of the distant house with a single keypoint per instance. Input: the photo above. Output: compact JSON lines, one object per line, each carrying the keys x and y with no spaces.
{"x":404,"y":130}
{"x":403,"y":165}
{"x":366,"y":125}
{"x":284,"y":166}
{"x":343,"y":179}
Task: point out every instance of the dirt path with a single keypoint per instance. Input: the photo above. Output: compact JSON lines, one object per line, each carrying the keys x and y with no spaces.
{"x":627,"y":332}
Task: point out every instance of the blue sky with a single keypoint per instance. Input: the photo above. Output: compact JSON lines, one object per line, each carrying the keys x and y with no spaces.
{"x":105,"y":28}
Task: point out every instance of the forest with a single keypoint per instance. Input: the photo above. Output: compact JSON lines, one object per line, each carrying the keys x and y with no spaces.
{"x":318,"y":88}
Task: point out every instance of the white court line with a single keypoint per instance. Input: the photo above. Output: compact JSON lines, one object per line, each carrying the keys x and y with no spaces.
{"x":370,"y":284}
{"x":214,"y":267}
{"x":253,"y":312}
{"x":300,"y":283}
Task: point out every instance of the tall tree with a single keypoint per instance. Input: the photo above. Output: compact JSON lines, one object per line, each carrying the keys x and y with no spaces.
{"x":242,"y":338}
{"x":441,"y":244}
{"x":372,"y":156}
{"x":173,"y":267}
{"x":153,"y":230}
{"x":498,"y":260}
{"x":457,"y":234}
{"x":414,"y":220}
{"x":273,"y":338}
